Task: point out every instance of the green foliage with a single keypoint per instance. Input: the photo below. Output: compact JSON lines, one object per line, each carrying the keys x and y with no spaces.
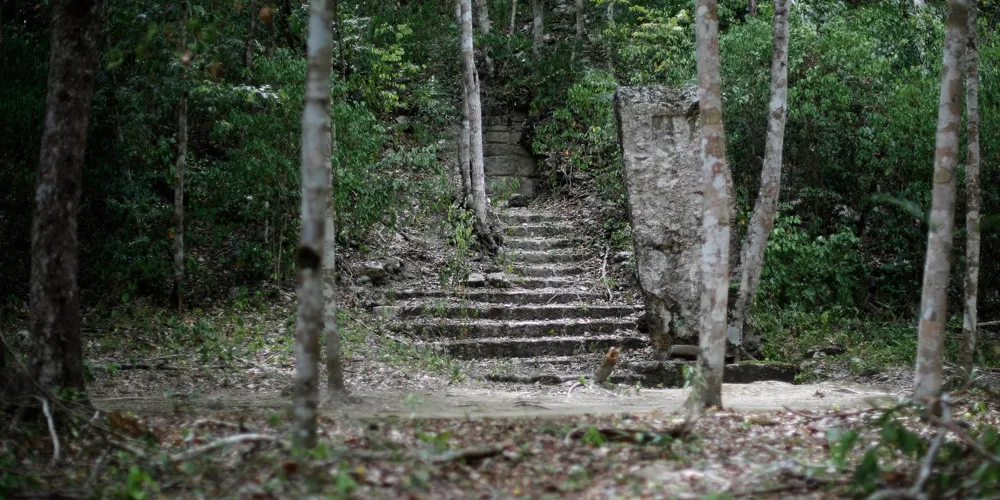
{"x":459,"y":223}
{"x":810,"y":273}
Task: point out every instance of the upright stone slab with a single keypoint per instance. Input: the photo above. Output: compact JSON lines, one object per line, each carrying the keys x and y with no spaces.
{"x":660,"y":138}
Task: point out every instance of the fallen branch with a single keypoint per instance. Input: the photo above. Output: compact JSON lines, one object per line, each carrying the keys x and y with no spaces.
{"x":222,"y":443}
{"x":52,"y":428}
{"x":604,"y":274}
{"x":221,"y":423}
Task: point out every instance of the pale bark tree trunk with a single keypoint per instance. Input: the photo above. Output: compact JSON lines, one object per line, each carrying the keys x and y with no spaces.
{"x":55,"y":356}
{"x":580,"y":29}
{"x":334,"y":367}
{"x":464,"y":141}
{"x":483,"y":17}
{"x":478,"y":178}
{"x":609,"y":15}
{"x":182,"y":140}
{"x":970,"y":323}
{"x":513,"y":17}
{"x":937,"y":267}
{"x":315,"y":200}
{"x":766,"y":207}
{"x":248,"y":46}
{"x":715,"y":221}
{"x":537,"y":28}
{"x":753,"y":8}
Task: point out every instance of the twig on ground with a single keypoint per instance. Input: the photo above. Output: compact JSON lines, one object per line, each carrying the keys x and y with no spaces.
{"x":221,"y":423}
{"x":222,"y":443}
{"x":52,"y":428}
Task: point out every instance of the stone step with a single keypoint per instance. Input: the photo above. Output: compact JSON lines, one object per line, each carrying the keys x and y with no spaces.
{"x":528,"y":216}
{"x":539,"y":295}
{"x":649,"y":373}
{"x":539,"y":229}
{"x":546,"y":256}
{"x":543,"y":243}
{"x":538,"y":282}
{"x":527,"y":347}
{"x":546,"y":270}
{"x":483,"y":328}
{"x":506,"y":313}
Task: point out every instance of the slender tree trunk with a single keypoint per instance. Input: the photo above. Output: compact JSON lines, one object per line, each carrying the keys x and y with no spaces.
{"x":56,"y":359}
{"x":767,"y":199}
{"x":340,"y":40}
{"x":537,"y":28}
{"x":937,"y":267}
{"x":182,"y":140}
{"x":967,"y":351}
{"x":715,"y":221}
{"x":513,"y":17}
{"x":334,"y":368}
{"x":753,"y":8}
{"x":483,"y":16}
{"x":315,"y":200}
{"x":580,"y":29}
{"x":464,"y":141}
{"x":248,"y":46}
{"x":609,"y":15}
{"x":286,"y":25}
{"x":478,"y":178}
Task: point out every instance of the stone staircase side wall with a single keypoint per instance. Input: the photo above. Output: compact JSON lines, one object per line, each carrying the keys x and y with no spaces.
{"x":506,"y":160}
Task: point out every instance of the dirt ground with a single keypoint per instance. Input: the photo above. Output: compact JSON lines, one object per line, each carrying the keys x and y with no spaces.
{"x":537,"y":401}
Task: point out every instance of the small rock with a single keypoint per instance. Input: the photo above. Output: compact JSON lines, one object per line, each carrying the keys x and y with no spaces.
{"x":476,"y":280}
{"x":393,"y":264}
{"x":623,"y":256}
{"x":374,"y":271}
{"x":364,"y":280}
{"x":518,"y":200}
{"x":498,"y":280}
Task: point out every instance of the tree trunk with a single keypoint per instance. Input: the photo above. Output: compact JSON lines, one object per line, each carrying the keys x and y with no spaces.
{"x":967,"y":350}
{"x":340,"y":40}
{"x":753,"y":8}
{"x":248,"y":46}
{"x":478,"y":178}
{"x":464,"y":141}
{"x":770,"y":186}
{"x":315,"y":200}
{"x":937,"y":267}
{"x":609,"y":15}
{"x":286,"y":25}
{"x":580,"y":30}
{"x":182,"y":140}
{"x":56,"y":359}
{"x":483,"y":17}
{"x":513,"y":17}
{"x":334,"y":367}
{"x":537,"y":28}
{"x":715,"y":222}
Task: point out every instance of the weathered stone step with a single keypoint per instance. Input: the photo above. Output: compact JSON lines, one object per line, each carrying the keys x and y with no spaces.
{"x":507,"y":313}
{"x":527,"y":216}
{"x":649,"y":373}
{"x":533,"y":243}
{"x":538,"y":282}
{"x":526,"y":347}
{"x":546,"y":256}
{"x":484,"y":328}
{"x":547,"y":270}
{"x":539,"y":295}
{"x":539,"y":229}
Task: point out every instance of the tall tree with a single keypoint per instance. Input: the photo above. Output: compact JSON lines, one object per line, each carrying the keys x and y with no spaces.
{"x":478,"y":178}
{"x":55,"y":359}
{"x":315,"y":200}
{"x":715,"y":219}
{"x":937,"y":266}
{"x":578,"y":10}
{"x":464,"y":141}
{"x":182,"y":144}
{"x":483,"y":17}
{"x":970,"y":323}
{"x":537,"y":28}
{"x":513,"y":17}
{"x":340,"y":40}
{"x":753,"y":8}
{"x":331,"y":329}
{"x":248,"y":44}
{"x":766,"y":205}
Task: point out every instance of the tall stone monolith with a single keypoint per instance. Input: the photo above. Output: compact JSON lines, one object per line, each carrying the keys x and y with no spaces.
{"x":660,"y":139}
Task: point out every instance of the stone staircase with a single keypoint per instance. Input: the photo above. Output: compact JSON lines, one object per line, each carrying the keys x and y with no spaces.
{"x":545,"y":317}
